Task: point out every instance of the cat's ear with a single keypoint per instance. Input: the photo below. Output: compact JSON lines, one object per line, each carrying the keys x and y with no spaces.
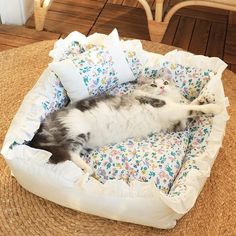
{"x":168,"y":77}
{"x":166,"y":74}
{"x":142,"y":80}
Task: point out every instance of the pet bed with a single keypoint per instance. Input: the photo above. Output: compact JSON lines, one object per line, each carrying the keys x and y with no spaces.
{"x":125,"y":196}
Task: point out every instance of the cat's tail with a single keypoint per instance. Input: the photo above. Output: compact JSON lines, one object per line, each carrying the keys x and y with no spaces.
{"x":60,"y":154}
{"x":44,"y":140}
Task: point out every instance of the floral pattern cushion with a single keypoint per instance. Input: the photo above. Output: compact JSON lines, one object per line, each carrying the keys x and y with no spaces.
{"x":95,"y":70}
{"x":74,"y":48}
{"x":158,"y":157}
{"x":164,"y":158}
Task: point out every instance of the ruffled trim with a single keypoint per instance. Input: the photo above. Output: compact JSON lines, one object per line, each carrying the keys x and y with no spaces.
{"x":188,"y":59}
{"x":196,"y":179}
{"x":21,"y":121}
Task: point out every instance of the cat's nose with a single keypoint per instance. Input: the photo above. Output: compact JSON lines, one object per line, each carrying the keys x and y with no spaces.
{"x":162,"y":87}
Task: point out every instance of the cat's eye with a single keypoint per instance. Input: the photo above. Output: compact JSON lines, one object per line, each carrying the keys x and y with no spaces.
{"x":166,"y":82}
{"x":154,"y":85}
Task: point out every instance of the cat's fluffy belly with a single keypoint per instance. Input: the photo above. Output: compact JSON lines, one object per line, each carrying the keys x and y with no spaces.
{"x":107,"y":124}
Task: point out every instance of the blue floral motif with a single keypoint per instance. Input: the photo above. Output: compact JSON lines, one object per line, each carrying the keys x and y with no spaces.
{"x":59,"y":97}
{"x":134,"y":63}
{"x":73,"y":49}
{"x":96,"y":67}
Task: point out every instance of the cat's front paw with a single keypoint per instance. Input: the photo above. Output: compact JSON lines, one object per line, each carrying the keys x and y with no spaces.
{"x":206,"y":98}
{"x":212,"y":108}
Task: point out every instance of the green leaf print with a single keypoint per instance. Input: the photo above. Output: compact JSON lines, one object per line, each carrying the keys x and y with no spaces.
{"x":170,"y":172}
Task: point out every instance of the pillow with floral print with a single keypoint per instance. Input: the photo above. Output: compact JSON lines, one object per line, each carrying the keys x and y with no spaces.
{"x":93,"y":72}
{"x":92,"y":65}
{"x":76,"y":43}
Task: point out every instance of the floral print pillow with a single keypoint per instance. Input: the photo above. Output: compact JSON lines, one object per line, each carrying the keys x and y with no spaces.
{"x":74,"y":48}
{"x":96,"y":71}
{"x":96,"y":68}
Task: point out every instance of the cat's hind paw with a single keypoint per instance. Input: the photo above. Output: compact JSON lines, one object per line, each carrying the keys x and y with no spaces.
{"x":81,"y":163}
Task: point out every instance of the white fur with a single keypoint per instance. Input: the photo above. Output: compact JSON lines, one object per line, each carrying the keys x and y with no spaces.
{"x":76,"y":123}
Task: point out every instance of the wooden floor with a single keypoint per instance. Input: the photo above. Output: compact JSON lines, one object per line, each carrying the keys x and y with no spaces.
{"x":199,"y":30}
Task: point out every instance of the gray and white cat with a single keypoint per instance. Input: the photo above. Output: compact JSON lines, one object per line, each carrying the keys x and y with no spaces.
{"x":153,"y":106}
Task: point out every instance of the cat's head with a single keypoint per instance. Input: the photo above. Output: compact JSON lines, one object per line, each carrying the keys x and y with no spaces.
{"x":159,"y":86}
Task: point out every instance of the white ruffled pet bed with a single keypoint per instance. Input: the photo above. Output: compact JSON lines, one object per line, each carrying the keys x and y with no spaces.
{"x":152,"y":181}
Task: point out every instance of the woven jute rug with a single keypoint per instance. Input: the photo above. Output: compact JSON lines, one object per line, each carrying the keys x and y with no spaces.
{"x":22,"y":213}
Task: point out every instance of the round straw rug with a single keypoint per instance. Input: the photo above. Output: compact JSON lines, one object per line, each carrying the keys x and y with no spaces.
{"x":22,"y":213}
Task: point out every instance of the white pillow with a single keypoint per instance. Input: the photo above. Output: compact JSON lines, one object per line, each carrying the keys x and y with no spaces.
{"x":94,"y":71}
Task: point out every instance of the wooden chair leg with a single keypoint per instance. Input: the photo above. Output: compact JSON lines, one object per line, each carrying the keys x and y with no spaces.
{"x":157,"y":30}
{"x":40,"y":12}
{"x":156,"y":27}
{"x":159,"y":10}
{"x":147,"y":9}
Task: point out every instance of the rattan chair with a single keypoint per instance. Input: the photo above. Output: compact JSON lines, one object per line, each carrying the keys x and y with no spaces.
{"x":157,"y":25}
